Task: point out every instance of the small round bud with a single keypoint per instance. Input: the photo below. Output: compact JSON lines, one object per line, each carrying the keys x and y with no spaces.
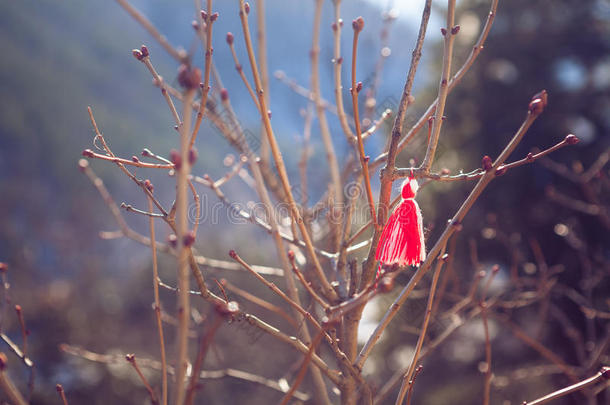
{"x":486,"y":163}
{"x":571,"y":139}
{"x":83,"y":164}
{"x":189,"y":239}
{"x":195,"y":25}
{"x":233,"y":254}
{"x":269,"y":114}
{"x":230,"y":308}
{"x":135,"y":159}
{"x":529,"y":157}
{"x":230,"y":38}
{"x":445,"y":171}
{"x":59,"y":388}
{"x":445,"y":258}
{"x":340,"y":60}
{"x":130,"y":357}
{"x":137,"y":54}
{"x":189,"y":77}
{"x":457,"y":225}
{"x":144,"y":50}
{"x":358,"y":87}
{"x":536,"y":106}
{"x":443,"y":31}
{"x":214,"y":17}
{"x":455,"y":30}
{"x":172,"y":240}
{"x":334,"y":26}
{"x":146,"y":152}
{"x":290,"y":255}
{"x":358,"y":24}
{"x":204,"y":15}
{"x":330,"y":323}
{"x":175,"y":158}
{"x":247,"y":7}
{"x":3,"y":361}
{"x":149,"y":186}
{"x":193,"y":155}
{"x":88,"y":153}
{"x":605,"y":372}
{"x":224,"y":94}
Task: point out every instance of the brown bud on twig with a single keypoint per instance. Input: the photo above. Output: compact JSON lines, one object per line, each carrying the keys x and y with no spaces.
{"x":175,"y":158}
{"x":195,"y":25}
{"x":130,"y":357}
{"x":230,"y":308}
{"x":224,"y":95}
{"x":538,"y":103}
{"x":135,"y":159}
{"x":230,"y":38}
{"x":137,"y":54}
{"x":445,"y":258}
{"x":149,"y":186}
{"x":529,"y":157}
{"x":146,"y":152}
{"x":83,"y":164}
{"x":455,"y":30}
{"x":358,"y":87}
{"x":334,"y":26}
{"x":605,"y":372}
{"x":571,"y":139}
{"x":486,"y":163}
{"x":193,"y":155}
{"x":290,"y":255}
{"x":3,"y":361}
{"x":172,"y":240}
{"x":269,"y":114}
{"x":88,"y":153}
{"x":204,"y":15}
{"x":457,"y":225}
{"x":358,"y":24}
{"x":189,"y":77}
{"x":233,"y":254}
{"x":59,"y":388}
{"x":330,"y":323}
{"x":445,"y":171}
{"x":214,"y":17}
{"x":443,"y":31}
{"x":247,"y":7}
{"x":188,"y":239}
{"x":144,"y":50}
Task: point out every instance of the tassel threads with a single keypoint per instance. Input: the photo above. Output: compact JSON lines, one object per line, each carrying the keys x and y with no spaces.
{"x":402,"y":239}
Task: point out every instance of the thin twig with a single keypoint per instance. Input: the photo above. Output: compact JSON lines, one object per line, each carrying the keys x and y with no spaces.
{"x":206,"y":73}
{"x":407,"y":382}
{"x":602,"y":375}
{"x":358,"y":25}
{"x":153,"y":246}
{"x":62,"y":394}
{"x":131,"y":359}
{"x":183,"y":305}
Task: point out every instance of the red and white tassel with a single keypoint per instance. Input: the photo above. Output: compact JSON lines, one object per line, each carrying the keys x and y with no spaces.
{"x":402,"y":239}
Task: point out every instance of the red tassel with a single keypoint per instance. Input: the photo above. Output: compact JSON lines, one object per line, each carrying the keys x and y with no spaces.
{"x":402,"y":239}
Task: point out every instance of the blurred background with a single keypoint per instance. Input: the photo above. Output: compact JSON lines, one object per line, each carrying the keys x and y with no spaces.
{"x":75,"y":288}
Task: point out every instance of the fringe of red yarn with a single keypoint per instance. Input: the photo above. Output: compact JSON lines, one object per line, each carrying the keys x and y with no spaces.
{"x":402,"y":239}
